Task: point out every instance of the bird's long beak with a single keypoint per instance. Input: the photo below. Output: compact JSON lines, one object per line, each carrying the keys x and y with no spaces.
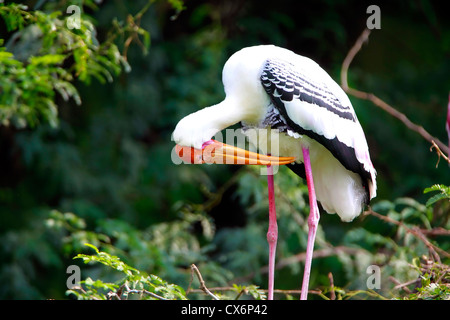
{"x":219,"y":153}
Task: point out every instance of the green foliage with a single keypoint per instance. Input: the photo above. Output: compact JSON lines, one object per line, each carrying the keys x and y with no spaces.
{"x":101,"y":173}
{"x":45,"y":57}
{"x":404,"y":242}
{"x":254,"y":291}
{"x":444,"y":193}
{"x":135,"y":282}
{"x":434,"y":281}
{"x":29,"y":91}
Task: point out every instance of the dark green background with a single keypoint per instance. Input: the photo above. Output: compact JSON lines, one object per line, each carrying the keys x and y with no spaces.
{"x":108,"y":161}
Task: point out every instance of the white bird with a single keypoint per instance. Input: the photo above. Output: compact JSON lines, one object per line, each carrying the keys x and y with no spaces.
{"x":312,"y":122}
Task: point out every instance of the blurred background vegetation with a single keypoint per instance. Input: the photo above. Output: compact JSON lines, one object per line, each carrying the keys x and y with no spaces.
{"x":85,"y":141}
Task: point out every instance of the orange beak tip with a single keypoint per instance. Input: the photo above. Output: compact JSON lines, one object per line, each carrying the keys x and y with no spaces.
{"x":189,"y":155}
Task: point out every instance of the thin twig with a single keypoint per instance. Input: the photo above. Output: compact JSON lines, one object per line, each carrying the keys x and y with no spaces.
{"x":332,"y":293}
{"x":281,"y":291}
{"x":439,"y":153}
{"x":240,"y":294}
{"x":437,"y":231}
{"x":151,"y":294}
{"x":126,"y":289}
{"x":377,"y":101}
{"x":403,"y":286}
{"x":415,"y":232}
{"x":321,"y":253}
{"x":202,"y":283}
{"x":350,"y":56}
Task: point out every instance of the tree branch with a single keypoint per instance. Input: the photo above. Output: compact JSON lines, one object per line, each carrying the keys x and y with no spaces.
{"x":321,"y":253}
{"x":281,"y":291}
{"x":380,"y":103}
{"x":439,"y":153}
{"x":202,"y":283}
{"x":416,"y":232}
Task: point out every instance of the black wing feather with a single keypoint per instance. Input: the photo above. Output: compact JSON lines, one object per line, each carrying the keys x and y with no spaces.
{"x":283,"y":84}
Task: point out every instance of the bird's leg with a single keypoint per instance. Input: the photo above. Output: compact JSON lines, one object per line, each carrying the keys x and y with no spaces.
{"x":272,"y":233}
{"x":313,"y":221}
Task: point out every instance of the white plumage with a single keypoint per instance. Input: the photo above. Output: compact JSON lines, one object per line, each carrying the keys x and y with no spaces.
{"x":268,"y":86}
{"x":310,"y":119}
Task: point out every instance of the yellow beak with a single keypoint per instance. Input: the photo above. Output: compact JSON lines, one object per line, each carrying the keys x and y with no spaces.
{"x":220,"y":153}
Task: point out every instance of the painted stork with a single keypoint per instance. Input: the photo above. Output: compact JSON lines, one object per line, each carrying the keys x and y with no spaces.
{"x":317,"y":132}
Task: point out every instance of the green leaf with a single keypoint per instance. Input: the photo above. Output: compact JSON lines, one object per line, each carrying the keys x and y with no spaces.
{"x":435,"y":199}
{"x":48,"y":59}
{"x":444,"y":193}
{"x":93,"y":247}
{"x":437,"y":187}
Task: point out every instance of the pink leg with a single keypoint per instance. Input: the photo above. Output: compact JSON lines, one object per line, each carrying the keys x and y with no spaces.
{"x":313,"y":221}
{"x":272,"y":233}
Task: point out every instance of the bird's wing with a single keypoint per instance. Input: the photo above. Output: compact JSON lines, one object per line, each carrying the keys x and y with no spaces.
{"x":313,"y":104}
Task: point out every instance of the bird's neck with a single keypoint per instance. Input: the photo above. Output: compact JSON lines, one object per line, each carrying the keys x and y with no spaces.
{"x":199,"y":127}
